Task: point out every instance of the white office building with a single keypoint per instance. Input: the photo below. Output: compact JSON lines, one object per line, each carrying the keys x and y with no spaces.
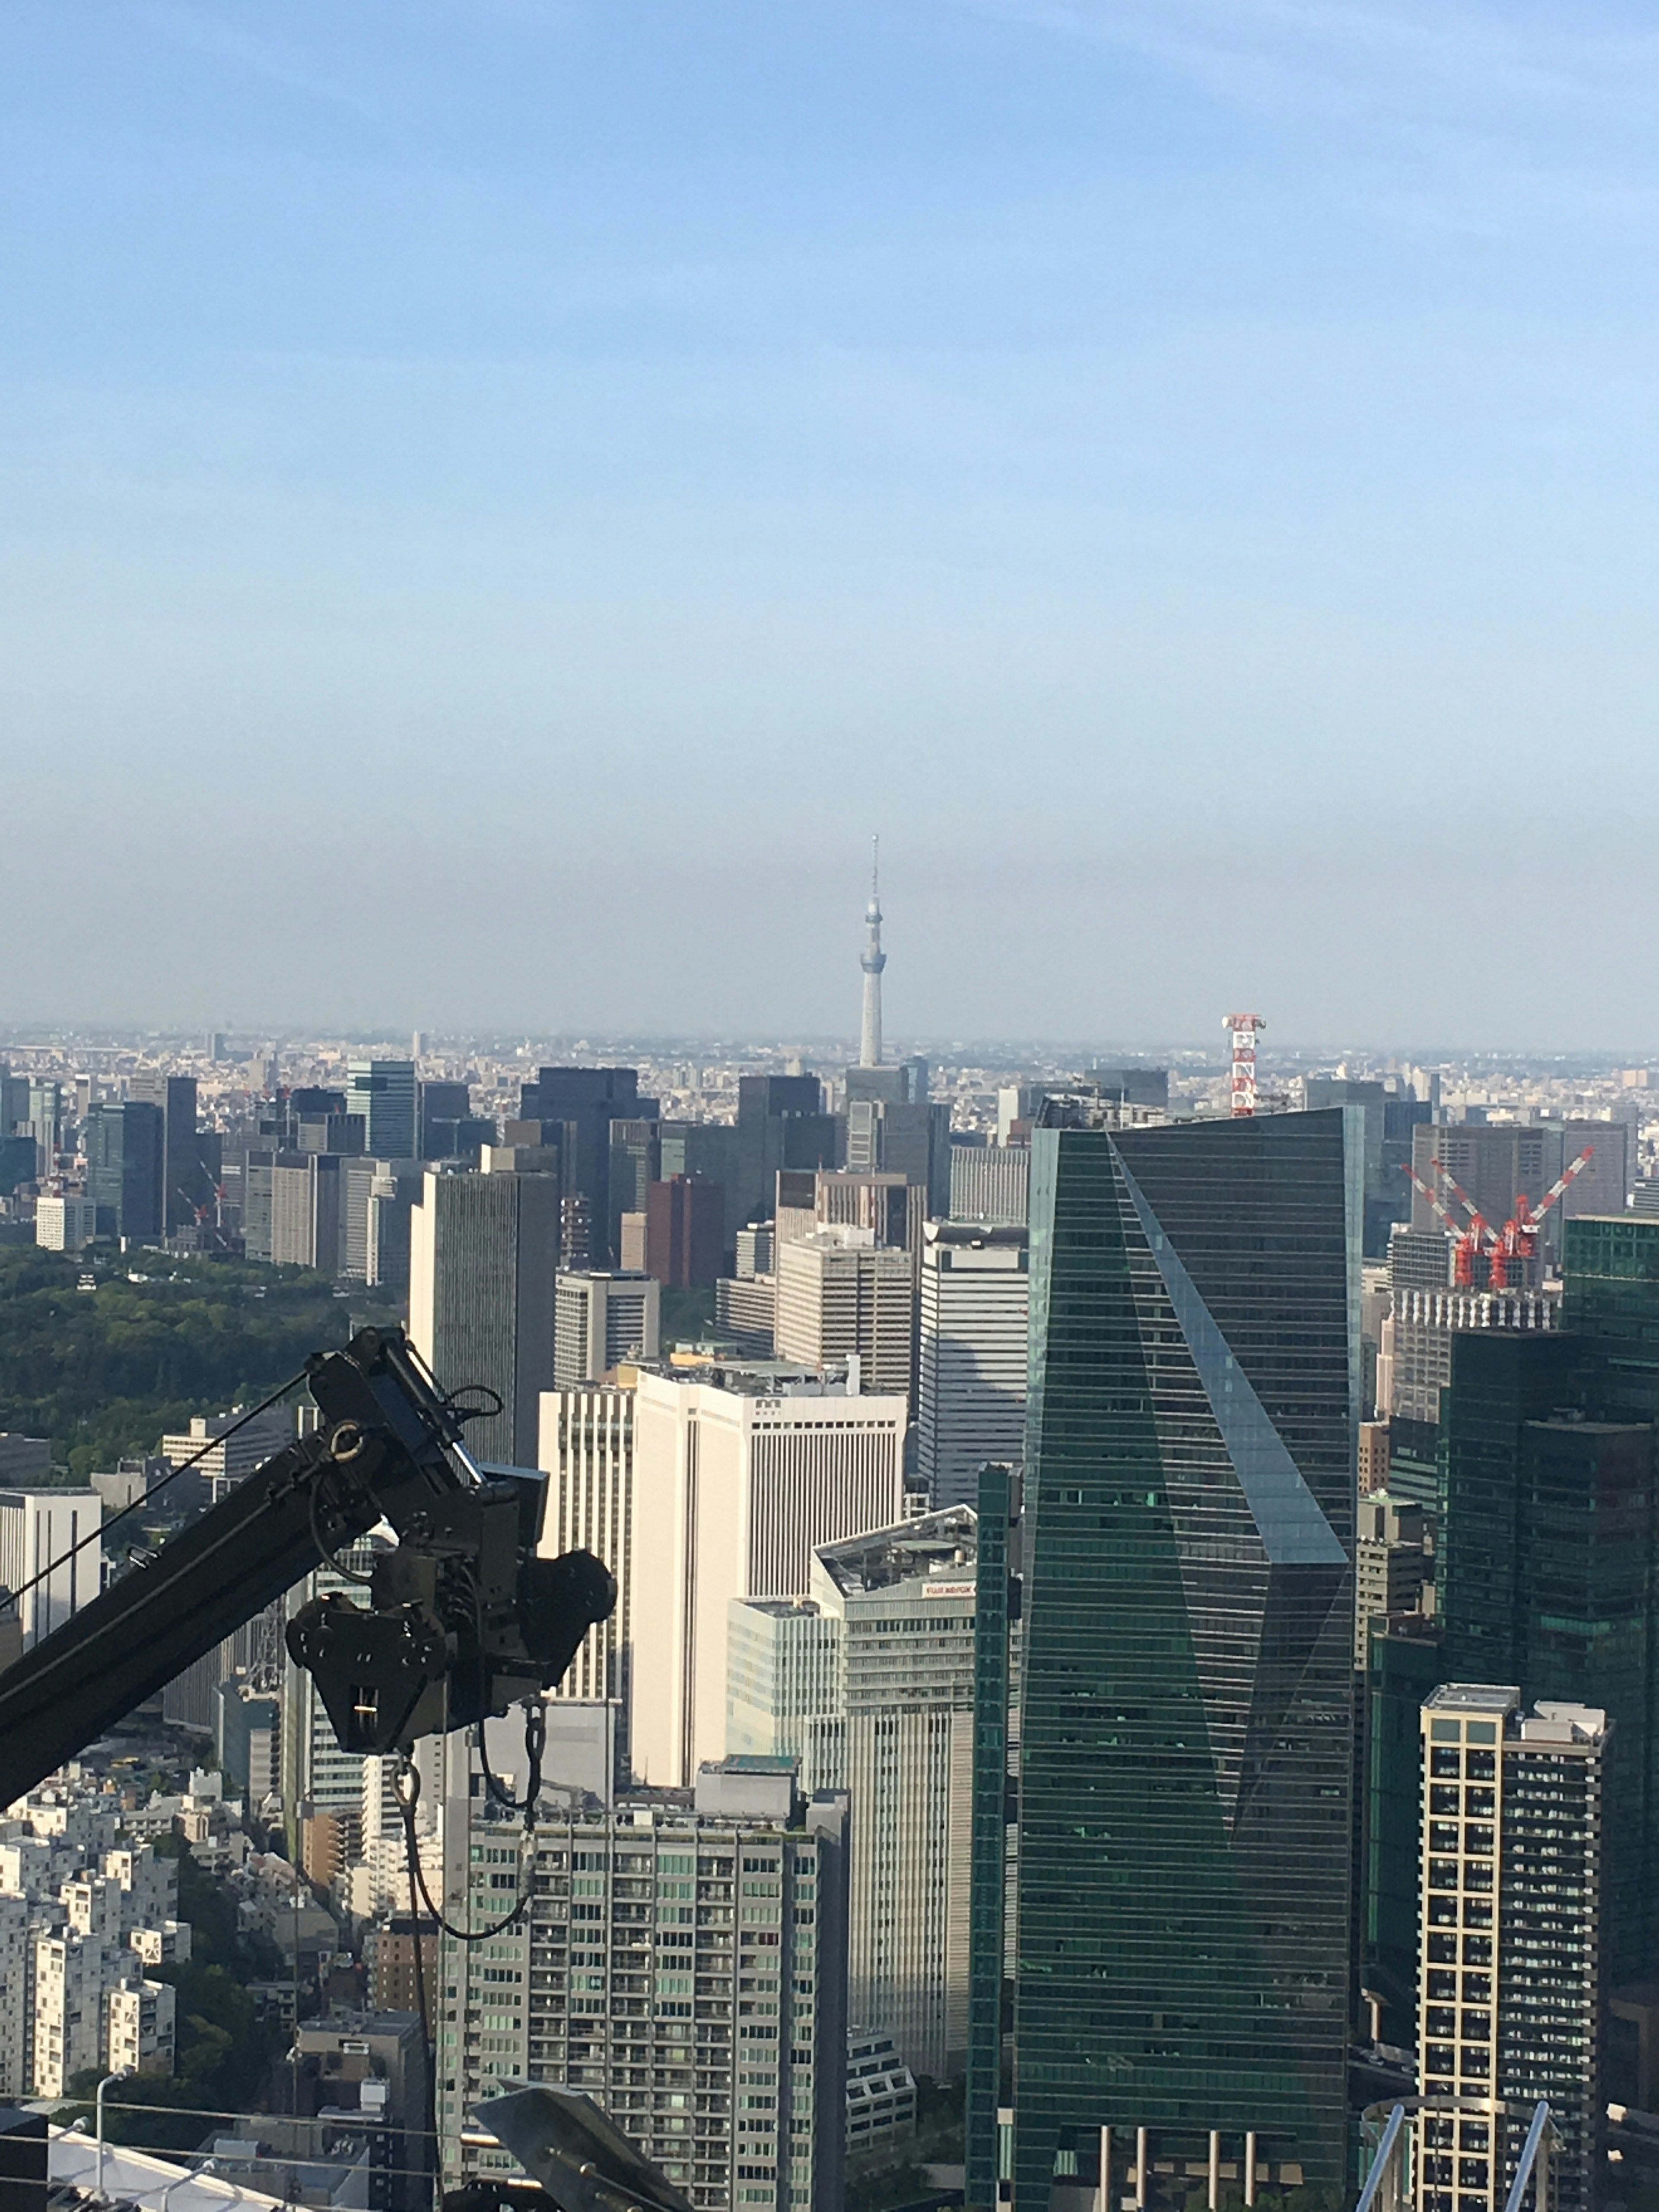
{"x":588,"y":1456}
{"x":738,"y":1480}
{"x":40,"y":1530}
{"x":603,"y":1317}
{"x":869,"y":1683}
{"x":65,"y":1223}
{"x":991,"y":1183}
{"x":975,"y":1320}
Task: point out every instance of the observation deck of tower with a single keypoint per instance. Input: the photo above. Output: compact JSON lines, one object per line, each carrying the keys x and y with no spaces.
{"x":873,"y":960}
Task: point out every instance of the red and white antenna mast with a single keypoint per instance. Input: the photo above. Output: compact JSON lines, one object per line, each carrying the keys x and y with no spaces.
{"x":1242,"y":1028}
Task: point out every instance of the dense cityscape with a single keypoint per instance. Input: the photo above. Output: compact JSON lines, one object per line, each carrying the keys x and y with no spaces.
{"x":829,"y":1108}
{"x":1131,"y":1648}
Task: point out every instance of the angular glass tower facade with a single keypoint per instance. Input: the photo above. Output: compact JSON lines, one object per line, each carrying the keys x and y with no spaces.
{"x":1187,"y":1708}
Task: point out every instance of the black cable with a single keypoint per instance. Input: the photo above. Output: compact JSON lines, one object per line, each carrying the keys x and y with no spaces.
{"x":406,"y":1788}
{"x":140,"y":1505}
{"x":331,"y":1559}
{"x":421,"y":1998}
{"x":535,"y":1743}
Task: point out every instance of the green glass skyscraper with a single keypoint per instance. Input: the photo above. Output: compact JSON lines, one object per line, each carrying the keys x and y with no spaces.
{"x":1187,"y":1715}
{"x":1551,"y":1544}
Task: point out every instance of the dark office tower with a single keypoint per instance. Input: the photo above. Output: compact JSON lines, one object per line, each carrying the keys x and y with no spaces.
{"x":483,"y":1262}
{"x":184,"y":1186}
{"x":1549,"y":1549}
{"x":781,"y":1123}
{"x":1390,"y":1122}
{"x":441,"y":1105}
{"x":1187,"y":1708}
{"x":683,"y":1229}
{"x":580,"y":1104}
{"x":124,"y":1145}
{"x":383,"y":1092}
{"x":636,"y":1163}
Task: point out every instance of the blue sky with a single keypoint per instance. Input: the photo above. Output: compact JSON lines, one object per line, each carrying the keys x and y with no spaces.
{"x":498,"y":499}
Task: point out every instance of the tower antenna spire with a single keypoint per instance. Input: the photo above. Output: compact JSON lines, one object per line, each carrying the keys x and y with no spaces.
{"x":873,"y":960}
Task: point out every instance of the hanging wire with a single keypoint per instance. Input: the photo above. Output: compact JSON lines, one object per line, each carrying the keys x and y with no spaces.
{"x":141,"y":1504}
{"x":406,"y":1788}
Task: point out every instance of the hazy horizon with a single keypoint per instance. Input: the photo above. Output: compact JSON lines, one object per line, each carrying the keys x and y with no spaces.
{"x":502,"y":499}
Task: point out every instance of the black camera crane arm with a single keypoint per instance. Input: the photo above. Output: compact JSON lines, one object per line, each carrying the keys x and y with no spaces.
{"x":464,"y":1617}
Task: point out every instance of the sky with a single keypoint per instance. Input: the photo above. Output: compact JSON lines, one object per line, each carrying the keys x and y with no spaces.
{"x":500,"y":499}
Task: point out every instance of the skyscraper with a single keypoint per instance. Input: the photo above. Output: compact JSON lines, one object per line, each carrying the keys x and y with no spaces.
{"x":483,"y":1260}
{"x":587,"y":1454}
{"x":735,"y":1483}
{"x":576,"y":1107}
{"x":781,"y":1123}
{"x":1512,"y":1969}
{"x":685,"y":1219}
{"x":1187,"y":1733}
{"x":840,"y":1295}
{"x":904,"y":1597}
{"x":184,"y":1186}
{"x":873,"y":960}
{"x":383,"y":1091}
{"x":975,"y":1322}
{"x":600,"y":1317}
{"x":124,"y":1161}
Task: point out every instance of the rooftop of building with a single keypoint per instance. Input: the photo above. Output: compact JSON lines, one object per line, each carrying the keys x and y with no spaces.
{"x":941,"y":1547}
{"x":1552,"y":1720}
{"x":977,"y":1234}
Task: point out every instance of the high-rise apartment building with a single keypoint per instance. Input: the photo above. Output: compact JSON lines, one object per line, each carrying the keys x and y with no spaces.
{"x":383,"y":1093}
{"x":1186,"y":1699}
{"x":124,"y":1161}
{"x":602,"y":1316}
{"x":841,"y":1295}
{"x":483,"y":1259}
{"x":682,"y":1961}
{"x":46,"y":1533}
{"x":588,"y":1454}
{"x":184,"y":1185}
{"x":975,"y":1323}
{"x":991,"y":1183}
{"x":1512,"y":1975}
{"x":736,"y":1481}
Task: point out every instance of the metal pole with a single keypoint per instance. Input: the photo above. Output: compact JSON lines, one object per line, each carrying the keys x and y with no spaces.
{"x":1141,"y":2170}
{"x":1106,"y":2170}
{"x":120,"y":2074}
{"x":1249,"y":2167}
{"x":1536,"y":2146}
{"x":1215,"y":2168}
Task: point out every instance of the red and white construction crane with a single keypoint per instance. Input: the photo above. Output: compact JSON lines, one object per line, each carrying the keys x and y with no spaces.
{"x":1518,"y":1238}
{"x":1517,"y":1241}
{"x":1242,"y":1028}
